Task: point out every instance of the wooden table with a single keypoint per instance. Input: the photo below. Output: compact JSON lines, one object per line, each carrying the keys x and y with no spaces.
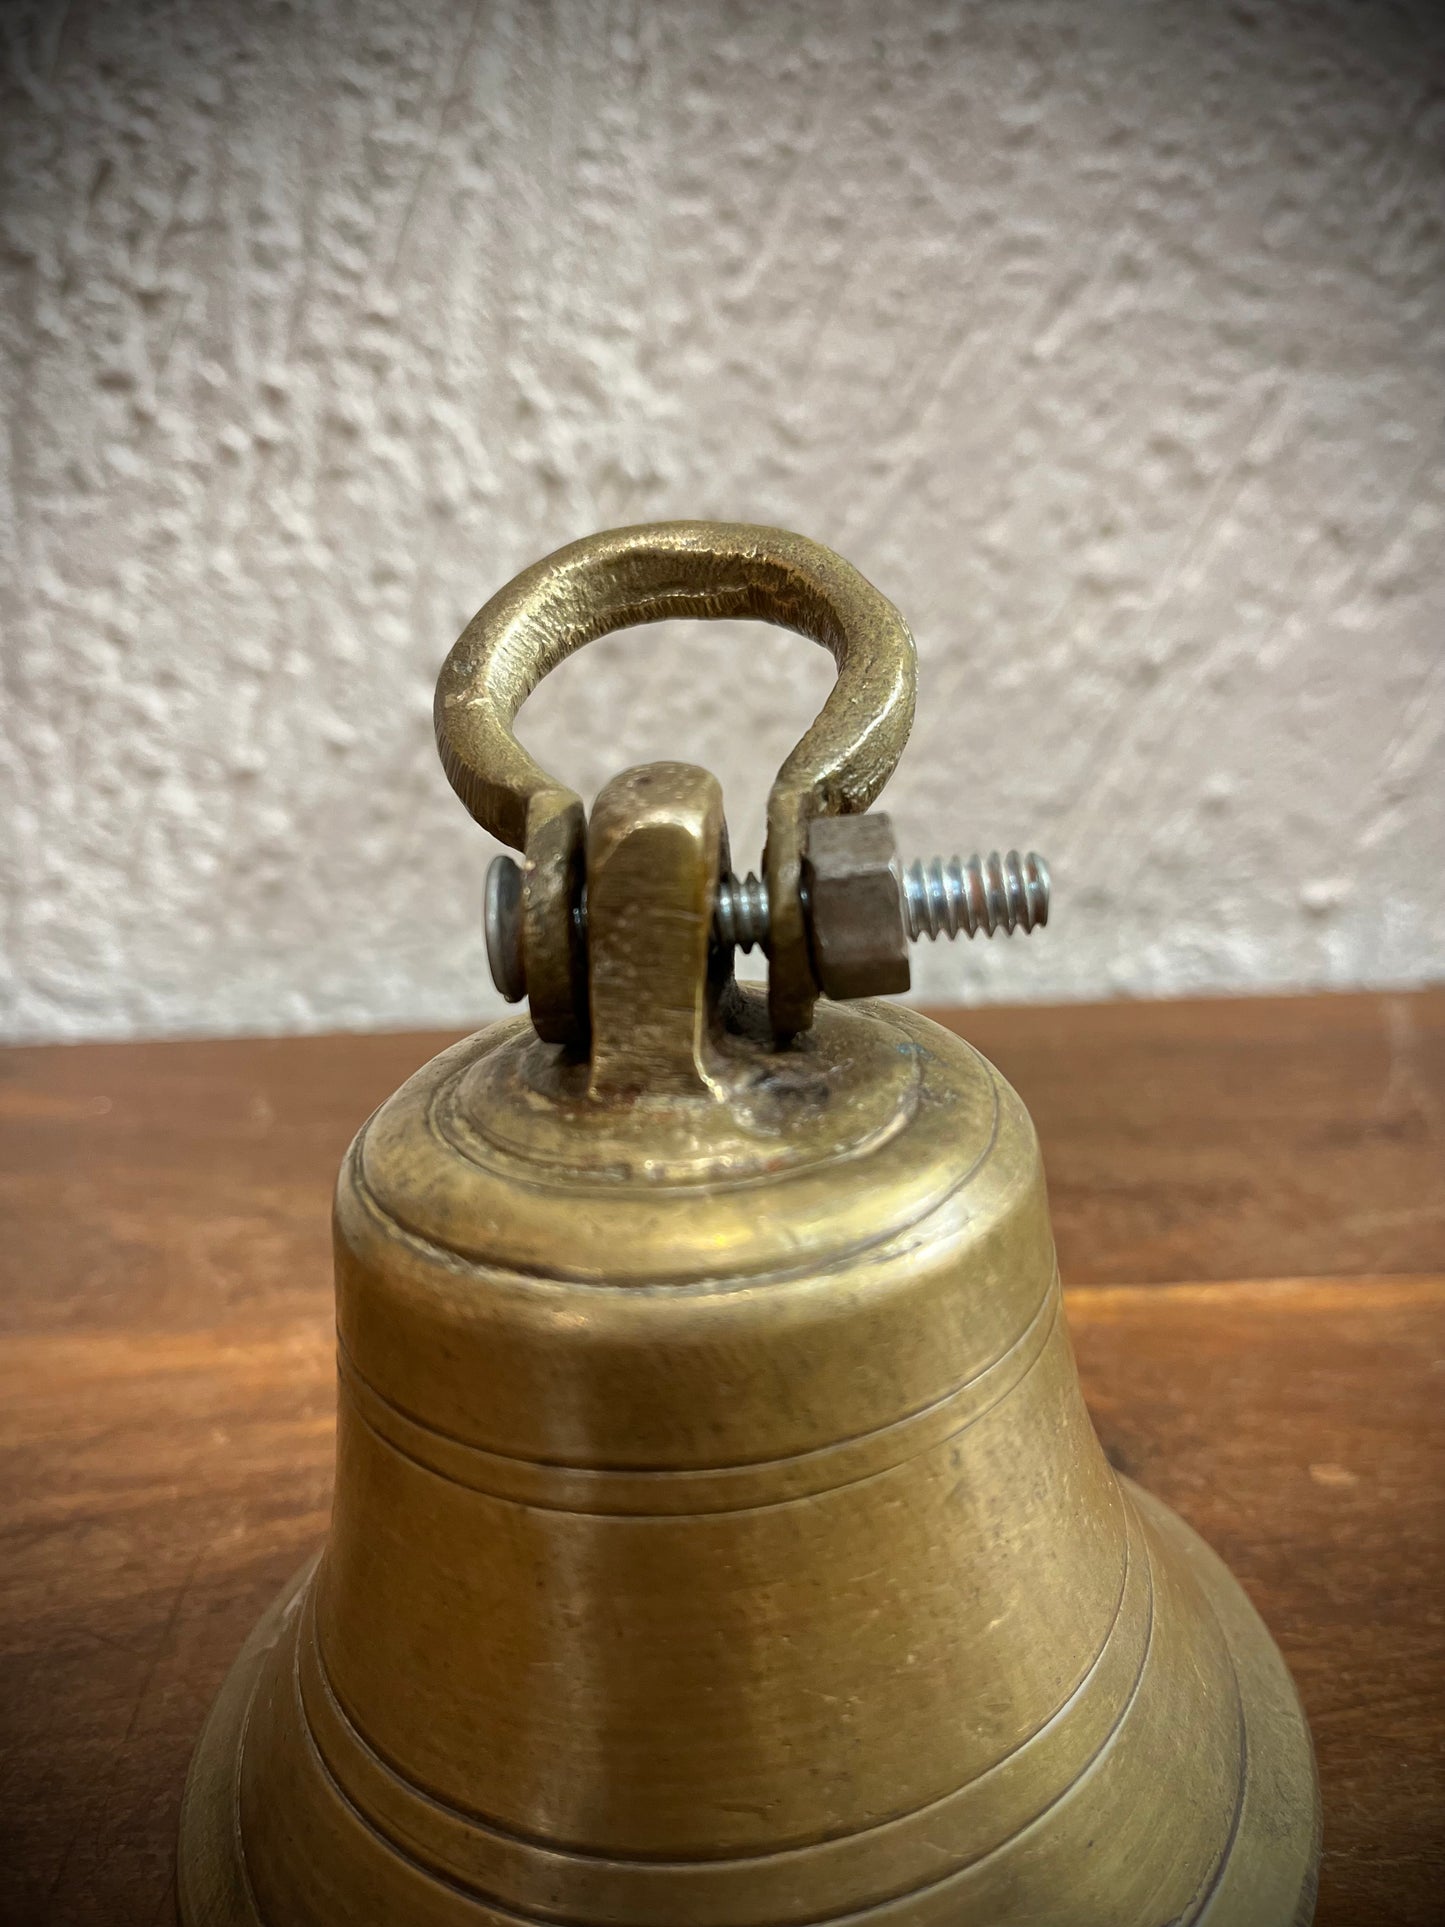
{"x":1249,"y":1200}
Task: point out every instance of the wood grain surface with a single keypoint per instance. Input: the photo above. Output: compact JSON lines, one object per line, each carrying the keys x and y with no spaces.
{"x":1273,"y":1169}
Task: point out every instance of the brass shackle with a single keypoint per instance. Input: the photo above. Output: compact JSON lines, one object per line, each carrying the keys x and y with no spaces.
{"x":652,"y":573}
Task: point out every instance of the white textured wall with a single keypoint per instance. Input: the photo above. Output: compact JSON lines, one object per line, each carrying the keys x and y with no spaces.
{"x":1109,"y":340}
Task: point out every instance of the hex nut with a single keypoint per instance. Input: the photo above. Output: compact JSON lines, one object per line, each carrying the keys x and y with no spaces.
{"x":853,"y":890}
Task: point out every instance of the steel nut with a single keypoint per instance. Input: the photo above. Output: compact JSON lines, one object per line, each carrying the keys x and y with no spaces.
{"x":851,"y":879}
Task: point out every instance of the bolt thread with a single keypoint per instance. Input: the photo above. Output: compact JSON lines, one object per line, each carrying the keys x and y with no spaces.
{"x":742,"y":912}
{"x":984,"y":894}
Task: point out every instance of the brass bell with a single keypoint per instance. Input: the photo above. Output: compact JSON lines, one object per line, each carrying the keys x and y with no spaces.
{"x":720,"y":1538}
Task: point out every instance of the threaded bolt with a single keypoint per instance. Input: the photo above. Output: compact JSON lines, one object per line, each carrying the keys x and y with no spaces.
{"x":939,"y":898}
{"x":985,"y":894}
{"x":742,"y":912}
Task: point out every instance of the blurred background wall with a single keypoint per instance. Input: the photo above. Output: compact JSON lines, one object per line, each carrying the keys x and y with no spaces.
{"x":1109,"y":340}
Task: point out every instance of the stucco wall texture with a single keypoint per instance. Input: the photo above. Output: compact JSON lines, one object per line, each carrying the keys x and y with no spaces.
{"x":1109,"y":340}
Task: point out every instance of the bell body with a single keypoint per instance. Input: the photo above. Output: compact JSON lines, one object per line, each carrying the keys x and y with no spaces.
{"x":720,"y":1538}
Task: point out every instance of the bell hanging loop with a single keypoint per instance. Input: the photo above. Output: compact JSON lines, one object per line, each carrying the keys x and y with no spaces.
{"x":620,"y":580}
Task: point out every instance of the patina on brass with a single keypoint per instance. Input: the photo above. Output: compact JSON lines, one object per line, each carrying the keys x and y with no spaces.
{"x":720,"y":1538}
